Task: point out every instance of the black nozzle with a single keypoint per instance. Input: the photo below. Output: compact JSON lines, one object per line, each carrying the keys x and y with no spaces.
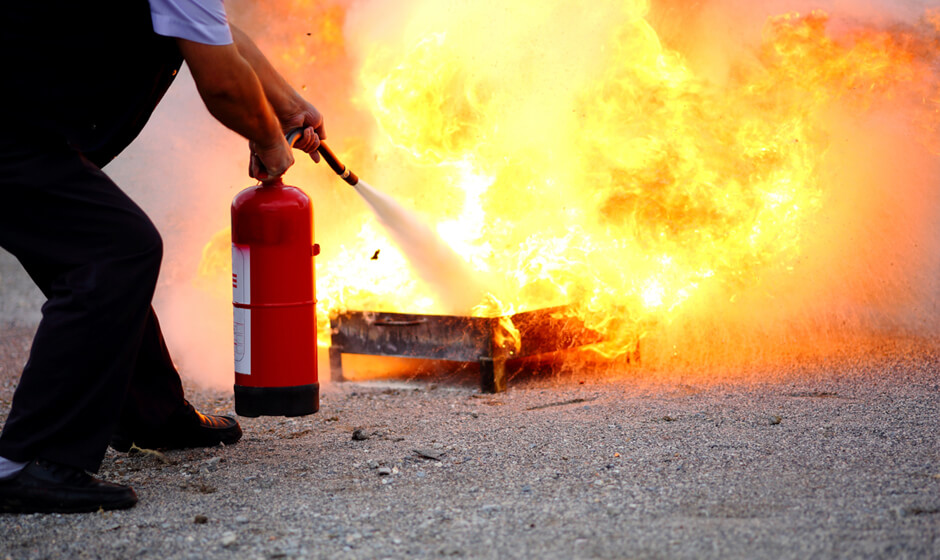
{"x":330,"y":158}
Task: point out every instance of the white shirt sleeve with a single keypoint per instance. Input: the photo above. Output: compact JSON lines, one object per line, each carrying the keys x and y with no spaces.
{"x":201,"y":21}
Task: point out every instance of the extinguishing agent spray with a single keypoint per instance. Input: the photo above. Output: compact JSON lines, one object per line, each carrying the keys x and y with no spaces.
{"x":274,"y":301}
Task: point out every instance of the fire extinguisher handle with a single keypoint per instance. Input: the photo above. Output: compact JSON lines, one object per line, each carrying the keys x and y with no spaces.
{"x":293,"y":135}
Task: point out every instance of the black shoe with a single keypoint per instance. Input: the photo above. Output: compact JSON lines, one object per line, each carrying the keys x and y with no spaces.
{"x":44,"y":487}
{"x":187,"y":428}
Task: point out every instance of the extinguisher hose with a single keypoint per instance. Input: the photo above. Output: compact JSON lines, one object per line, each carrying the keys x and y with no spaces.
{"x":328,"y":156}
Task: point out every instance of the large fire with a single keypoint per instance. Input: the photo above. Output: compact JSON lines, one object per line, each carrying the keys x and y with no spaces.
{"x":581,"y":158}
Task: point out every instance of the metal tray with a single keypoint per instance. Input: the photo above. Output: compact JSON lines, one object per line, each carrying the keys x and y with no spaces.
{"x":488,"y":341}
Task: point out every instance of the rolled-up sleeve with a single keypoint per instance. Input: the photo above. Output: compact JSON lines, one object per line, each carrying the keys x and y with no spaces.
{"x":201,"y":21}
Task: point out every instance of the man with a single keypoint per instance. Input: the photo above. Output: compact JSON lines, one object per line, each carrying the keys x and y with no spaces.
{"x":80,"y":81}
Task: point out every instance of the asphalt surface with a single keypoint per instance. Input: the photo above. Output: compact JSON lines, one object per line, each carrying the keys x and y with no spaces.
{"x":827,"y":460}
{"x":834,"y":457}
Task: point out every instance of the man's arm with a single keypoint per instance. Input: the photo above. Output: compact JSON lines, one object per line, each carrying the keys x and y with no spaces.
{"x":232,"y":92}
{"x":293,"y":110}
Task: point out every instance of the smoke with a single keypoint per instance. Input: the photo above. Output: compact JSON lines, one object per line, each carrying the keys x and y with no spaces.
{"x":434,"y":261}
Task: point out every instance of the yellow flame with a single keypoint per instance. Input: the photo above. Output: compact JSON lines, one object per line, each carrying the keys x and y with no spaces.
{"x":579,"y":161}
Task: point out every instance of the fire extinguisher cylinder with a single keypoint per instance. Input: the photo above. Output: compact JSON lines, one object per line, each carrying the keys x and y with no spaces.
{"x":274,"y":302}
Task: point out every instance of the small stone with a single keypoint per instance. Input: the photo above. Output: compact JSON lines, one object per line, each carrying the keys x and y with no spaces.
{"x":359,"y":435}
{"x":384,"y":471}
{"x":773,"y":420}
{"x":200,"y":520}
{"x":241,"y":519}
{"x":228,"y":539}
{"x":429,"y":454}
{"x":373,"y":464}
{"x":912,"y":511}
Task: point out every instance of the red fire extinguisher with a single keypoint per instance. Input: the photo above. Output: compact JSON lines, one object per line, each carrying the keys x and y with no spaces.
{"x":274,"y":301}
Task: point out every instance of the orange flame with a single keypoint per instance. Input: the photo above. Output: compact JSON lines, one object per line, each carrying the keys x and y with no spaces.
{"x":581,"y":161}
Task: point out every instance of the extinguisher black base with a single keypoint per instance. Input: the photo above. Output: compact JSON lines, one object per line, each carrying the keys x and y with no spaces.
{"x":298,"y":400}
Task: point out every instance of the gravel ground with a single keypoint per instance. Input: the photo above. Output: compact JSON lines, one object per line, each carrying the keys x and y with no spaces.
{"x":20,"y":299}
{"x":831,"y":459}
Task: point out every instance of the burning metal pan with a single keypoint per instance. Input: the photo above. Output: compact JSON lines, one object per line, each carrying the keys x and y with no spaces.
{"x":488,"y":341}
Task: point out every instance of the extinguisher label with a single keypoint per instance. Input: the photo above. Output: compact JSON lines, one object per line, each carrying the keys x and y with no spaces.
{"x":242,"y":341}
{"x":241,"y":294}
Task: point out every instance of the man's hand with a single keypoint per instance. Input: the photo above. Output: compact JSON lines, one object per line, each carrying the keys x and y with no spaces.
{"x":291,"y":109}
{"x":245,"y":93}
{"x":269,"y":162}
{"x":233,"y":94}
{"x":305,"y":116}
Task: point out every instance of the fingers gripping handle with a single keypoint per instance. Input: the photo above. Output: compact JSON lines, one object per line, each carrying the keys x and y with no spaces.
{"x":292,"y":138}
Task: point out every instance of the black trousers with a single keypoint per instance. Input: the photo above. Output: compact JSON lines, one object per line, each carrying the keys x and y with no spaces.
{"x":98,"y":361}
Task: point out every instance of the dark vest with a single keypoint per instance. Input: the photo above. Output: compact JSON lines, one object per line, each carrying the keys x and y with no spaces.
{"x":86,"y":72}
